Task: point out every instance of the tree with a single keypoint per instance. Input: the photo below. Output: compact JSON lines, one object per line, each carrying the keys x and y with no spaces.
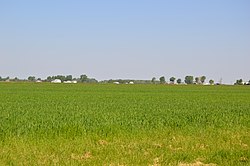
{"x":31,"y":78}
{"x":49,"y":79}
{"x":60,"y":77}
{"x":162,"y":80}
{"x":203,"y":78}
{"x":153,"y":80}
{"x":92,"y":80}
{"x":197,"y":80}
{"x":16,"y":79}
{"x":83,"y":78}
{"x":239,"y":82}
{"x":189,"y":79}
{"x":68,"y":78}
{"x":179,"y":81}
{"x":172,"y":79}
{"x":211,"y":82}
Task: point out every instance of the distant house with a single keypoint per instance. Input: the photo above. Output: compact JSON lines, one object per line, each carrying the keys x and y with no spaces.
{"x":67,"y":82}
{"x":56,"y":81}
{"x":70,"y":82}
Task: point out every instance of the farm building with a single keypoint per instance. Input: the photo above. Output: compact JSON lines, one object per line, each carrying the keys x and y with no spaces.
{"x":70,"y":82}
{"x":67,"y":82}
{"x":56,"y":81}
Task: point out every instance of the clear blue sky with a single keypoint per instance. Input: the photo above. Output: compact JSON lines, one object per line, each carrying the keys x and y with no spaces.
{"x":137,"y":39}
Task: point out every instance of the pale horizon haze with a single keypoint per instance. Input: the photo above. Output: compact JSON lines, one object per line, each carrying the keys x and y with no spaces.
{"x":126,"y":39}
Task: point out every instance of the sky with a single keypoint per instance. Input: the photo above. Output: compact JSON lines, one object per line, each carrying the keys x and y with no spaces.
{"x":126,"y":39}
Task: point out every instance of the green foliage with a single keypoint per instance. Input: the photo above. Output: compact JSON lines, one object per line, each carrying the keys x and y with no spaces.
{"x":211,"y":82}
{"x":69,"y":78}
{"x":189,"y":79}
{"x":202,"y":79}
{"x":83,"y":78}
{"x":31,"y":78}
{"x":162,"y":80}
{"x":197,"y":80}
{"x":49,"y":79}
{"x":239,"y":82}
{"x":172,"y":79}
{"x":178,"y":80}
{"x":90,"y":124}
{"x":153,"y":80}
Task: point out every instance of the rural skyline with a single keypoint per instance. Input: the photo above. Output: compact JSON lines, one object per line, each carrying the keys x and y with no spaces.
{"x":143,"y":82}
{"x":126,"y":40}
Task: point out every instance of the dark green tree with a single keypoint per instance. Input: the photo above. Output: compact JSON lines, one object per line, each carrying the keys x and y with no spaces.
{"x":83,"y":78}
{"x":31,"y":78}
{"x":189,"y":79}
{"x":203,"y":78}
{"x":162,"y":80}
{"x":92,"y":80}
{"x":49,"y":79}
{"x":68,"y":78}
{"x":179,"y":81}
{"x":239,"y":82}
{"x":153,"y":80}
{"x":172,"y":79}
{"x":211,"y":82}
{"x":16,"y":79}
{"x":197,"y":80}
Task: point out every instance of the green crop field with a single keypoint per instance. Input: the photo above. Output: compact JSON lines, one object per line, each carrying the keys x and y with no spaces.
{"x":102,"y":124}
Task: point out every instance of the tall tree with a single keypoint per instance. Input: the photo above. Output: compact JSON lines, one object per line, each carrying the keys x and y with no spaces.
{"x":239,"y":82}
{"x":49,"y":79}
{"x":16,"y":79}
{"x":31,"y":78}
{"x":197,"y":80}
{"x":203,"y":78}
{"x":179,"y":81}
{"x":211,"y":82}
{"x":153,"y":80}
{"x":69,"y":78}
{"x":83,"y":78}
{"x":162,"y":80}
{"x":172,"y":79}
{"x":189,"y":79}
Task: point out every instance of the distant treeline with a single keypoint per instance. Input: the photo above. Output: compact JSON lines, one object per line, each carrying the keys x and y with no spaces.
{"x":85,"y":79}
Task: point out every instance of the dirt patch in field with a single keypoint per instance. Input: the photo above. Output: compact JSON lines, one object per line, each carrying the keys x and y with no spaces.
{"x":103,"y":142}
{"x":197,"y":163}
{"x":85,"y":156}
